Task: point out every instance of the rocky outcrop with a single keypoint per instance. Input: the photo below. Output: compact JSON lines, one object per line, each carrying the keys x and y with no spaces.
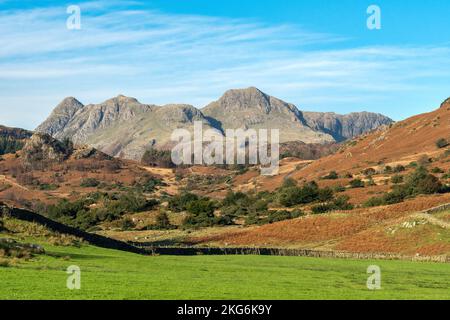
{"x":42,"y":149}
{"x":343,"y":127}
{"x":446,"y":103}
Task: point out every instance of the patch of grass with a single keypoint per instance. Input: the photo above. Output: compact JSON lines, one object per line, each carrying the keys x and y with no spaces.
{"x":108,"y":274}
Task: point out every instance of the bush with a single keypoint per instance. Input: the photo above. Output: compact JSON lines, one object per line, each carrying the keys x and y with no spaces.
{"x":126,"y":224}
{"x":399,"y":168}
{"x":331,"y":176}
{"x":163,"y":222}
{"x":292,"y":196}
{"x":369,"y":171}
{"x":374,"y":202}
{"x":340,"y":203}
{"x":397,"y":179}
{"x":89,"y":183}
{"x":180,"y":202}
{"x":388,"y":169}
{"x":356,"y":183}
{"x":418,"y":182}
{"x":442,"y":143}
{"x":339,"y":188}
{"x":201,"y":206}
{"x":149,"y":184}
{"x":437,"y":170}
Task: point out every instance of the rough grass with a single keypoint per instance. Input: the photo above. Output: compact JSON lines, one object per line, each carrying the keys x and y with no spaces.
{"x":108,"y":274}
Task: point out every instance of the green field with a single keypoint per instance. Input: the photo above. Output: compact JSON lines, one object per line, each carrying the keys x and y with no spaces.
{"x":108,"y":274}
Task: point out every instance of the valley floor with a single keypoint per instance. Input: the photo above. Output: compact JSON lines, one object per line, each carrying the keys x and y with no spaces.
{"x":108,"y":274}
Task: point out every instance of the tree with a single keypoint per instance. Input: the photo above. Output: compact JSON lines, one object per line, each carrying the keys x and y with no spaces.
{"x":357,"y":183}
{"x":162,"y":220}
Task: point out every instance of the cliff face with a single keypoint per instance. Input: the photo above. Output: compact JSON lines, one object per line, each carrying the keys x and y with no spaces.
{"x":343,"y":127}
{"x":124,"y":127}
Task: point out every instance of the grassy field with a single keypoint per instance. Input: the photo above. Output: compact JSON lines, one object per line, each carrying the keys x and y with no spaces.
{"x":108,"y":274}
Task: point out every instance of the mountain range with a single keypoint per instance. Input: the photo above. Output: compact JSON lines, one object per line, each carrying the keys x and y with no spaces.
{"x":124,"y":127}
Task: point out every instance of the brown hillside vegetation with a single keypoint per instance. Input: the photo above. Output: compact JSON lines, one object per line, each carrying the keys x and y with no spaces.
{"x":396,"y":228}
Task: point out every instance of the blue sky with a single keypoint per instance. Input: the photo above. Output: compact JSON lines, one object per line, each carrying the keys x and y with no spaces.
{"x":317,"y":54}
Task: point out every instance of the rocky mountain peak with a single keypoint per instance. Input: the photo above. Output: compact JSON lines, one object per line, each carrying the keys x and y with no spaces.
{"x":122,"y":100}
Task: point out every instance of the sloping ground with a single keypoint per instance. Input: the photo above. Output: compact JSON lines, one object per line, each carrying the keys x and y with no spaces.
{"x":18,"y":183}
{"x":54,"y":226}
{"x":389,"y":229}
{"x":399,"y":144}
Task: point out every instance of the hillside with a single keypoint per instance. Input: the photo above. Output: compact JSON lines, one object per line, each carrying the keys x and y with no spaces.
{"x":12,"y":139}
{"x":123,"y":127}
{"x":372,"y":172}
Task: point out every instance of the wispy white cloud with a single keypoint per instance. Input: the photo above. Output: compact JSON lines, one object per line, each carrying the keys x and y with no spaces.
{"x":162,"y":58}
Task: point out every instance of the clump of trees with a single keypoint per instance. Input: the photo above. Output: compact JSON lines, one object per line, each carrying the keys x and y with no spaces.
{"x":110,"y":207}
{"x":8,"y":145}
{"x":340,"y":203}
{"x":333,"y":175}
{"x":417,"y":183}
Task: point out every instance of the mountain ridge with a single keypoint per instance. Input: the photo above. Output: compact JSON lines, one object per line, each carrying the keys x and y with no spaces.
{"x":124,"y":127}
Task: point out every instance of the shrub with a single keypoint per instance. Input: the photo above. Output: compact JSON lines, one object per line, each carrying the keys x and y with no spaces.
{"x":356,"y":183}
{"x":396,"y":179}
{"x":89,"y":183}
{"x":340,"y":203}
{"x":437,"y":170}
{"x":339,"y":188}
{"x":388,"y":169}
{"x":331,"y":176}
{"x":442,"y":143}
{"x":292,"y":196}
{"x":179,"y":203}
{"x":126,"y":224}
{"x":162,"y":221}
{"x":325,"y":195}
{"x":399,"y":168}
{"x":374,"y":202}
{"x":201,"y":206}
{"x":149,"y":184}
{"x":281,"y":215}
{"x":369,"y":171}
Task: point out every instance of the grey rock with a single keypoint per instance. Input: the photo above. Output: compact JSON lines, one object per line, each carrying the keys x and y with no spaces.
{"x":343,"y":127}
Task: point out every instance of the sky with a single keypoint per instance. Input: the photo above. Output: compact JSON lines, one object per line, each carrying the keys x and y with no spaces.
{"x":318,"y":54}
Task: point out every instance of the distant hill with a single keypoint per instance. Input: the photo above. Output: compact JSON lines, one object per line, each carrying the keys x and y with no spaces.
{"x":12,"y":139}
{"x":343,"y":127}
{"x":124,"y":127}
